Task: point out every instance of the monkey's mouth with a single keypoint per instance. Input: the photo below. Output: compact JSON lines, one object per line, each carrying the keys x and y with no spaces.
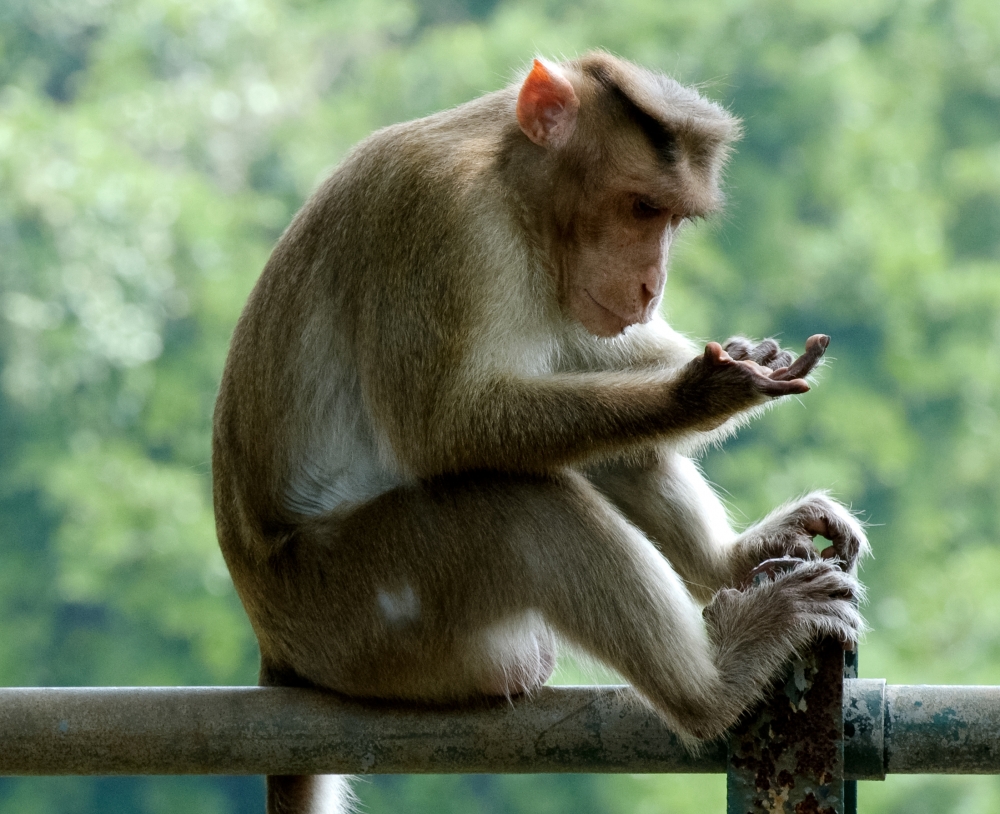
{"x":608,"y":322}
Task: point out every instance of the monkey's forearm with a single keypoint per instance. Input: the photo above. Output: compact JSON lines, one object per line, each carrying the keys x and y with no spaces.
{"x":540,"y":423}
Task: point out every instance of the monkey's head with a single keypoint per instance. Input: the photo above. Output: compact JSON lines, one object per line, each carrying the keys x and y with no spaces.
{"x":627,"y":157}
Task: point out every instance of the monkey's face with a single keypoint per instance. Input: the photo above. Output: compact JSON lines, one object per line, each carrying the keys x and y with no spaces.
{"x":620,"y":206}
{"x":617,"y":266}
{"x":625,"y":160}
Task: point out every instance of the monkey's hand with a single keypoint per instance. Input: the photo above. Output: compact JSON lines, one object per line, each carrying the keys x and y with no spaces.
{"x":719,"y":384}
{"x":782,"y":363}
{"x":789,"y":532}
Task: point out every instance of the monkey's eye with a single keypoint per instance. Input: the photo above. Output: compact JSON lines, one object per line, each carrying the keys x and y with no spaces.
{"x":643,"y":209}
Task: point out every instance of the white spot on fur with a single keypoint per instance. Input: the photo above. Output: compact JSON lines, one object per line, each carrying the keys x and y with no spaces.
{"x":399,"y":607}
{"x":508,"y":637}
{"x":517,"y":654}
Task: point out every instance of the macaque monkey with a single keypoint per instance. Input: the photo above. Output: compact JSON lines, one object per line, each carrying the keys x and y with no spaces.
{"x":453,"y":425}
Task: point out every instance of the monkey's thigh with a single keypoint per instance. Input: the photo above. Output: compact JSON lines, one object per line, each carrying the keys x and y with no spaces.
{"x":451,"y":588}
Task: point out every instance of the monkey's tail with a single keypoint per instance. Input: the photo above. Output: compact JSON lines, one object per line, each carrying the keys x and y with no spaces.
{"x":309,"y":794}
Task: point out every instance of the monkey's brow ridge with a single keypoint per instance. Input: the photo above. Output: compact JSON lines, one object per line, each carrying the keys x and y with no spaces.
{"x":660,"y":135}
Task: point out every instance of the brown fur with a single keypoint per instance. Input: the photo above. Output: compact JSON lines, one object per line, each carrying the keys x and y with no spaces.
{"x":452,"y":421}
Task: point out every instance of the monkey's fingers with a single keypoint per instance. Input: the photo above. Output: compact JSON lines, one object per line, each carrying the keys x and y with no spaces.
{"x":816,"y":346}
{"x":762,"y":377}
{"x":775,"y":388}
{"x":715,"y":356}
{"x":769,"y":385}
{"x":841,"y":528}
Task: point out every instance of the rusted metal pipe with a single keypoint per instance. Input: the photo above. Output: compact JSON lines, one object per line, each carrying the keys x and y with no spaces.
{"x":864,"y":729}
{"x":942,"y":730}
{"x":251,"y":730}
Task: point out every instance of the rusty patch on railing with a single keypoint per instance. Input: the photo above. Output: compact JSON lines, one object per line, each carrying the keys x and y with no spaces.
{"x":787,"y":757}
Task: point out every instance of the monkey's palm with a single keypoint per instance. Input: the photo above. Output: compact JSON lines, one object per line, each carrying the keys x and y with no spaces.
{"x":724,"y":381}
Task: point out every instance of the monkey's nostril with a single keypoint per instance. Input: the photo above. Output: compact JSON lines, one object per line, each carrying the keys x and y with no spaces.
{"x":646,"y":296}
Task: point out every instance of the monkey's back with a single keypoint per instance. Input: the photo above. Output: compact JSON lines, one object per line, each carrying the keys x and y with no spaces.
{"x":361,"y":312}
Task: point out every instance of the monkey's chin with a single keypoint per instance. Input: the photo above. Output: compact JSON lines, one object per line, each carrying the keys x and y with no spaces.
{"x":601,"y":321}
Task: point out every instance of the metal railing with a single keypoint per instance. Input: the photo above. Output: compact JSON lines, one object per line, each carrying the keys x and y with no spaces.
{"x":817,"y":734}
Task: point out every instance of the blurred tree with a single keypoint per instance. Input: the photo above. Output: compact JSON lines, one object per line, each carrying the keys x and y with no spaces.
{"x":151,"y":151}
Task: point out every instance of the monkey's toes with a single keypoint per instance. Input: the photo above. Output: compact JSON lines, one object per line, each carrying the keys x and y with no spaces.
{"x":819,"y":580}
{"x":820,"y":516}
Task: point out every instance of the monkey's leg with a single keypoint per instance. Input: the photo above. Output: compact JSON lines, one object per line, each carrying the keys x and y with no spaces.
{"x":425,"y":593}
{"x":666,"y":496}
{"x":445,"y":590}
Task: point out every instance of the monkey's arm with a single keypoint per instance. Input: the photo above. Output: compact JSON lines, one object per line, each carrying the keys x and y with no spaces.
{"x":664,"y":494}
{"x":540,"y":423}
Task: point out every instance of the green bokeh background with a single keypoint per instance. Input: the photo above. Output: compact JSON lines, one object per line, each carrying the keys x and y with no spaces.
{"x":151,"y":151}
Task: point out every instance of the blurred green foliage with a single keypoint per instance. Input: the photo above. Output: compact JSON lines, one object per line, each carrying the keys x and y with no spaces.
{"x":152,"y":150}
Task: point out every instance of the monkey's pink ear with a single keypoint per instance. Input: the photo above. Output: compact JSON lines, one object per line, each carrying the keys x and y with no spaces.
{"x":547,"y":106}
